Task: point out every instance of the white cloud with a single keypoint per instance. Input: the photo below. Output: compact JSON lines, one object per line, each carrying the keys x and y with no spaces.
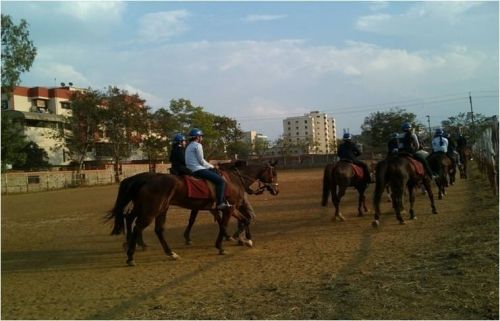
{"x":263,"y":17}
{"x":150,"y":98}
{"x":160,"y":26}
{"x":93,"y":10}
{"x":59,"y":72}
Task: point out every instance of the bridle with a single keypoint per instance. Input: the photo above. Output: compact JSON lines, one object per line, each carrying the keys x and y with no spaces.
{"x":246,"y":181}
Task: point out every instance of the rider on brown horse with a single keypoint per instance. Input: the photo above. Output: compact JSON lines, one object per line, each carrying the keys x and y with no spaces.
{"x":349,"y":151}
{"x":409,"y":145}
{"x":202,"y":169}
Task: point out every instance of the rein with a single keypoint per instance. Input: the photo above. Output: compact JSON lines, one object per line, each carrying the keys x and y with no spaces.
{"x":262,"y":186}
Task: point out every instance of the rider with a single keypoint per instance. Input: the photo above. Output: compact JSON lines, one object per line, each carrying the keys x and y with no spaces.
{"x":452,"y":149}
{"x":177,"y":157}
{"x":461,"y":145}
{"x":203,"y":169}
{"x":408,"y":144}
{"x":439,"y":143}
{"x":349,"y":151}
{"x":393,"y":144}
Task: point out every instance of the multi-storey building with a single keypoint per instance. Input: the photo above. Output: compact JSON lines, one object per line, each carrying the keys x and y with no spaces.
{"x":42,"y":112}
{"x":313,"y":133}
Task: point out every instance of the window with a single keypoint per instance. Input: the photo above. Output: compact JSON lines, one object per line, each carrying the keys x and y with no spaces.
{"x":34,"y":179}
{"x":306,"y":127}
{"x":65,"y":105}
{"x":288,"y":123}
{"x":40,"y":103}
{"x":305,"y":121}
{"x":297,"y":127}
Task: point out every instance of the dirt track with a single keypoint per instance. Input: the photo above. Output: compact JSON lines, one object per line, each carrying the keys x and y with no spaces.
{"x":59,"y":261}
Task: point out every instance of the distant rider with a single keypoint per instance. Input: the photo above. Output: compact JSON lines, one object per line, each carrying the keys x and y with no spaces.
{"x":349,"y":151}
{"x":177,"y":157}
{"x":409,"y":145}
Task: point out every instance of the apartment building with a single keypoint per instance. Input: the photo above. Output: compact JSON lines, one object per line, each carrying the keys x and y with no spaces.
{"x":312,"y":133}
{"x":42,"y":112}
{"x":251,"y":137}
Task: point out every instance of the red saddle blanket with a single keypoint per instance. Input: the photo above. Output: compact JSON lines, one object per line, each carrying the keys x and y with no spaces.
{"x":419,"y":167}
{"x":198,"y":188}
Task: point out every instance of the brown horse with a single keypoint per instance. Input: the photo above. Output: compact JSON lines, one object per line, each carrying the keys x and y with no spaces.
{"x":398,"y":172}
{"x":465,"y":155}
{"x":441,"y":164}
{"x":337,"y":177}
{"x":152,"y":200}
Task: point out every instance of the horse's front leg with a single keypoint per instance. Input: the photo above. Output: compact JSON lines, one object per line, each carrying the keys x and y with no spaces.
{"x":187,"y":231}
{"x":159,"y":231}
{"x":377,"y":196}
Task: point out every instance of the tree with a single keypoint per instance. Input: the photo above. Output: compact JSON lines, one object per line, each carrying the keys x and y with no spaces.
{"x":125,"y":120}
{"x":13,"y":141}
{"x":463,"y":121}
{"x":284,"y":147}
{"x":154,"y":145}
{"x":80,"y":132}
{"x":18,"y":52}
{"x":261,"y":147}
{"x":378,"y":127}
{"x":36,"y":158}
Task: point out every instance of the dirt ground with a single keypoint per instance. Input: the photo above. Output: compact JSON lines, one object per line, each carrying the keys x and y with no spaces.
{"x":59,"y":261}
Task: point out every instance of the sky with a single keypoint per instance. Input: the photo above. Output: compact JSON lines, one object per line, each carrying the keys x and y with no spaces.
{"x":260,"y":62}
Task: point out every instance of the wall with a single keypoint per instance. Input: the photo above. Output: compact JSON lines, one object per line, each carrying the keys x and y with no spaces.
{"x":23,"y":182}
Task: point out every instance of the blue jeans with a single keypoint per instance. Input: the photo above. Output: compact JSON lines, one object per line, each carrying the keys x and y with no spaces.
{"x":214,"y":178}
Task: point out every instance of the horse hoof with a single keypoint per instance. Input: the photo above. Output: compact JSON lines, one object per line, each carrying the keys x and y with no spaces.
{"x":231,"y":239}
{"x":375,"y":223}
{"x":188,"y":242}
{"x":131,"y":262}
{"x":413,"y":218}
{"x":249,"y":243}
{"x":402,"y":223}
{"x":341,"y":218}
{"x":222,"y":252}
{"x":174,"y":256}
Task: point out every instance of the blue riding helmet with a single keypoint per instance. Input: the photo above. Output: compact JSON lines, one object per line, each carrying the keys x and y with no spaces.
{"x":439,"y":132}
{"x":347,"y":136}
{"x":406,"y":126}
{"x":195,"y":132}
{"x":179,"y":138}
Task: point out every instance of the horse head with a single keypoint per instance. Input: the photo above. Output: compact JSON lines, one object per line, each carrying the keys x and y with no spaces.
{"x":265,"y":175}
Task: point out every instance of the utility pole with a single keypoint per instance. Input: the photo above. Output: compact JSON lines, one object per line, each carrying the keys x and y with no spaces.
{"x":472,"y":118}
{"x":430,"y":130}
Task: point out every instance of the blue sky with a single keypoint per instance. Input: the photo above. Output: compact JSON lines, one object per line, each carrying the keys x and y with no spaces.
{"x":259,"y":62}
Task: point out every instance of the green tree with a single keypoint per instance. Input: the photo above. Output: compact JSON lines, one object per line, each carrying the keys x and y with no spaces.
{"x":261,"y":147}
{"x":82,"y":127}
{"x":284,"y":147}
{"x":378,"y":127}
{"x":36,"y":158}
{"x":463,"y":121}
{"x":125,"y":118}
{"x":13,"y":141}
{"x":18,"y":52}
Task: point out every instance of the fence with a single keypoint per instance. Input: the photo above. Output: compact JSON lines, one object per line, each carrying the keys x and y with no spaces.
{"x":23,"y":182}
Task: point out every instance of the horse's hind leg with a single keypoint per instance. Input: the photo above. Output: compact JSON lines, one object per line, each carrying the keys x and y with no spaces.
{"x":129,"y":220}
{"x":140,"y":224}
{"x":226,"y":215}
{"x":187,"y":231}
{"x":411,"y":191}
{"x":159,"y":230}
{"x":428,"y":188}
{"x":361,"y":201}
{"x":337,"y":196}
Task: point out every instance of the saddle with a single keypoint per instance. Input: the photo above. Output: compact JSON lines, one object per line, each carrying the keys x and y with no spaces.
{"x":358,"y":170}
{"x":203,"y":189}
{"x":417,"y":166}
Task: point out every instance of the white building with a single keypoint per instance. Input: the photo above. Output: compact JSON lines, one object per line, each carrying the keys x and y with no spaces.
{"x":252,"y":138}
{"x":313,"y":133}
{"x":42,"y":112}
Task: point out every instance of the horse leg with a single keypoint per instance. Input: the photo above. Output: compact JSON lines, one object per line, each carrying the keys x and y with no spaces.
{"x":159,"y":231}
{"x":338,"y":197}
{"x":187,"y":231}
{"x":361,"y":201}
{"x":411,"y":191}
{"x":226,"y":215}
{"x":141,"y":223}
{"x":377,"y":196}
{"x":428,"y":188}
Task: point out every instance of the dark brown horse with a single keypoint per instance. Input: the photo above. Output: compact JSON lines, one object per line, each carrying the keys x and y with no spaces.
{"x":441,"y":164}
{"x":152,"y":200}
{"x":465,"y":155}
{"x":398,"y":172}
{"x":337,"y":177}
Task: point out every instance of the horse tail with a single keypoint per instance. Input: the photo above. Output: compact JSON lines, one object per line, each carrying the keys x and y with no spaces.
{"x":326,"y":184}
{"x":118,"y":212}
